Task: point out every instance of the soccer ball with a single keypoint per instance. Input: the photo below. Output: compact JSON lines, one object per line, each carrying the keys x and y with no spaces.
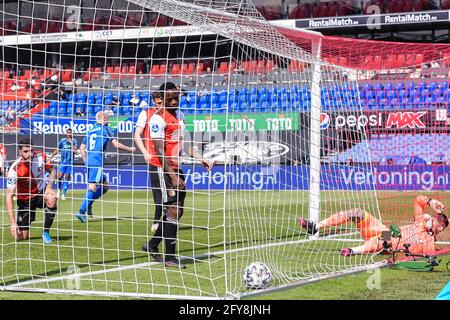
{"x":257,"y":276}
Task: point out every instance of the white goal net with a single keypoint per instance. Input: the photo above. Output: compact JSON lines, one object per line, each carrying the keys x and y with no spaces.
{"x":251,"y":102}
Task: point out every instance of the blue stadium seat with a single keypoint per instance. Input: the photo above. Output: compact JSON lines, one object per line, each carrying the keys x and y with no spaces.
{"x":389,"y":86}
{"x":183,"y":99}
{"x":82,"y":97}
{"x":184,"y":107}
{"x":81,"y":107}
{"x":52,"y":111}
{"x":411,"y":86}
{"x":377,"y":87}
{"x":400,"y":86}
{"x":98,"y":108}
{"x":444,"y":85}
{"x":223,"y":96}
{"x":70,"y":109}
{"x":214,"y":98}
{"x":62,"y":110}
{"x":90,"y":110}
{"x":124,"y":110}
{"x":253,"y":98}
{"x":262,"y":90}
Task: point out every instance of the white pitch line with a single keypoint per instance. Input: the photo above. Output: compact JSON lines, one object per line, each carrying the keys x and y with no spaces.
{"x":148,"y":264}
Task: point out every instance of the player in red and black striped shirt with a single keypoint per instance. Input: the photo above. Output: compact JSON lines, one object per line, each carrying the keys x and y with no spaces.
{"x":26,"y":179}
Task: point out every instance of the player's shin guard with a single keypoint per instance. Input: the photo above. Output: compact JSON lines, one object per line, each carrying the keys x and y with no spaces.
{"x":157,"y":236}
{"x":99,"y":192}
{"x":49,"y":217}
{"x":170,"y":231}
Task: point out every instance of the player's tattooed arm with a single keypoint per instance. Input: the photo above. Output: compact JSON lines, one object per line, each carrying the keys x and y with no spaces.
{"x":197,"y":156}
{"x":51,"y":177}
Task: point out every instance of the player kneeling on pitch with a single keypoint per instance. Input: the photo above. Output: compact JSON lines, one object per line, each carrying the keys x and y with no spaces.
{"x":419,"y":236}
{"x":26,"y":177}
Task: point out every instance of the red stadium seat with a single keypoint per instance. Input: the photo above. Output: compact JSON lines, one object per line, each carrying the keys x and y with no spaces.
{"x":446,"y":5}
{"x":140,"y":68}
{"x":446,"y":60}
{"x":26,"y":28}
{"x":323,"y":10}
{"x":315,"y":10}
{"x":200,"y":68}
{"x":332,"y":10}
{"x":163,"y":69}
{"x":274,"y":12}
{"x":302,"y":13}
{"x":293,"y":14}
{"x":187,"y":68}
{"x":342,"y":9}
{"x":132,"y":71}
{"x":176,"y":69}
{"x":66,"y":76}
{"x":223,"y":67}
{"x":155,"y":70}
{"x":408,"y":6}
{"x":296,"y":66}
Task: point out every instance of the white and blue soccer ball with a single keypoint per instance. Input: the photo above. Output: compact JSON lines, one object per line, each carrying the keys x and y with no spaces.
{"x":257,"y":276}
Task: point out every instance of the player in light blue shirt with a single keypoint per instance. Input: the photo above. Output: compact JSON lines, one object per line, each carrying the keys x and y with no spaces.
{"x":67,"y":147}
{"x":92,"y":151}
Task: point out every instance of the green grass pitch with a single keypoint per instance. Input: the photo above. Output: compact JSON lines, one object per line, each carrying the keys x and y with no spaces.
{"x":106,"y":251}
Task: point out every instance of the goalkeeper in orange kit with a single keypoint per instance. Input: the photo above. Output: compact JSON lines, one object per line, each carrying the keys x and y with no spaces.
{"x":420,"y":236}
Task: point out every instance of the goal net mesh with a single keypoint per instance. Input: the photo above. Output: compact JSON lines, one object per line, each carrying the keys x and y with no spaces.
{"x":283,"y":114}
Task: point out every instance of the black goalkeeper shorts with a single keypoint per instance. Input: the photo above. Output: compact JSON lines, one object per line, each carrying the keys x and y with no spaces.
{"x":164,"y":192}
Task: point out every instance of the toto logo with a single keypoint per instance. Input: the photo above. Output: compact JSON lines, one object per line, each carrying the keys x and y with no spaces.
{"x":244,"y":152}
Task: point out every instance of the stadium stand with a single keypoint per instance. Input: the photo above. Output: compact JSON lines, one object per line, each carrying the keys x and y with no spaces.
{"x":388,"y":96}
{"x":311,"y":9}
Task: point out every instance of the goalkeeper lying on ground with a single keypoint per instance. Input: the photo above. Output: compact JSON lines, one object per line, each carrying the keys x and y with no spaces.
{"x":420,"y":235}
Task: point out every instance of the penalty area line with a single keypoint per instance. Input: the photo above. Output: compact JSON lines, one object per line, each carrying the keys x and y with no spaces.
{"x":149,"y":264}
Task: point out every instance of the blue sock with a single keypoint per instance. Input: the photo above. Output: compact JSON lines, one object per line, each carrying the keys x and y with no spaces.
{"x":65,"y":187}
{"x":98,"y":193}
{"x":59,"y":184}
{"x":87,"y":201}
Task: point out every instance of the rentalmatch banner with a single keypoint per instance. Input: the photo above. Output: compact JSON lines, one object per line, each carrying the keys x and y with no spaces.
{"x":374,"y":19}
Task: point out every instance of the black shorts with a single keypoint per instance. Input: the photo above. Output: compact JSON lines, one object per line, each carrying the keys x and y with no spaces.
{"x":164,"y":192}
{"x":26,"y":211}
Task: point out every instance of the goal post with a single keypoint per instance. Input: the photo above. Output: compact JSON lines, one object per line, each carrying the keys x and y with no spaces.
{"x":315,"y":162}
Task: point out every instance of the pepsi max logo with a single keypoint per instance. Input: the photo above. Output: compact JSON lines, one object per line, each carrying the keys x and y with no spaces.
{"x":324,"y":121}
{"x":155,"y":127}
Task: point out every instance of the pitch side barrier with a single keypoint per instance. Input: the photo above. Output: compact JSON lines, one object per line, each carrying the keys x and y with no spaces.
{"x":278,"y":177}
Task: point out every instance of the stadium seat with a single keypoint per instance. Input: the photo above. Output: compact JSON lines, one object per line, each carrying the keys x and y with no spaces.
{"x":90,"y":110}
{"x":98,"y":108}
